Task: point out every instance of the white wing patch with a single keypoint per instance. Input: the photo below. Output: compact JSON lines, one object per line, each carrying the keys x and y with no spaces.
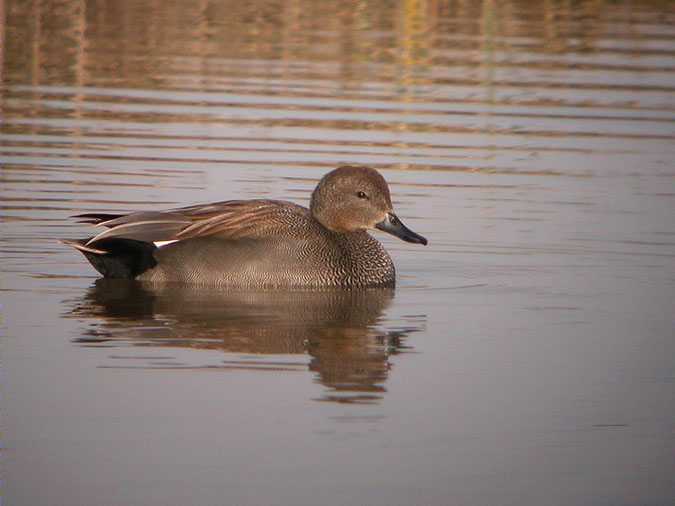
{"x":159,"y":244}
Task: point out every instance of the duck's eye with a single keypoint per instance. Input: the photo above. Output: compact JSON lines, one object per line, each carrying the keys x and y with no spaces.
{"x":362,"y":195}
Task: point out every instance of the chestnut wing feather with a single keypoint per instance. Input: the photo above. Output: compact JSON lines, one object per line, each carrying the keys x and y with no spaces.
{"x":234,"y":219}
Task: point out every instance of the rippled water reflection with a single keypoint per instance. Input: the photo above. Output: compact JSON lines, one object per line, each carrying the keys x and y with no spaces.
{"x":333,"y":332}
{"x":526,"y":354}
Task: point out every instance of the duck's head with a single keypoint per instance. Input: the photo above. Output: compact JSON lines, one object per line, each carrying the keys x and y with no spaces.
{"x":353,"y":198}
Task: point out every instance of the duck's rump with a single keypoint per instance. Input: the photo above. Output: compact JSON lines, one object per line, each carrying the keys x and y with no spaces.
{"x":117,"y":258}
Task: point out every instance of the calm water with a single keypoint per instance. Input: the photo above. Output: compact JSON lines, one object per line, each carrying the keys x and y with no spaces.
{"x":526,"y":355}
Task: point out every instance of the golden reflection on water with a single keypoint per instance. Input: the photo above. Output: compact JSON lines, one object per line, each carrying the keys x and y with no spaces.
{"x":422,"y":72}
{"x":82,"y":42}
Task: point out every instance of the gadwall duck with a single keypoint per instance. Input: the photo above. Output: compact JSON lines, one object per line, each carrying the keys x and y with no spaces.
{"x":258,"y":243}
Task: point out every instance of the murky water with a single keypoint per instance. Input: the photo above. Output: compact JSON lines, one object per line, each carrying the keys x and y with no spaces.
{"x":526,"y":355}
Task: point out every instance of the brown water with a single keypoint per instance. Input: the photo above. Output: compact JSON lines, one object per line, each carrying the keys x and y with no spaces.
{"x":526,"y":355}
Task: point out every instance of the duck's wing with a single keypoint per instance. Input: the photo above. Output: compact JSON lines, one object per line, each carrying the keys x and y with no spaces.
{"x":233,"y":219}
{"x":238,"y":219}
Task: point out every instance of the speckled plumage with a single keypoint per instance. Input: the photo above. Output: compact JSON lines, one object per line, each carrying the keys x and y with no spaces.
{"x":294,"y":251}
{"x":258,"y":243}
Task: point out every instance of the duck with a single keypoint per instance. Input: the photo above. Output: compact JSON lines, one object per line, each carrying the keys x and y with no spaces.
{"x":257,"y":243}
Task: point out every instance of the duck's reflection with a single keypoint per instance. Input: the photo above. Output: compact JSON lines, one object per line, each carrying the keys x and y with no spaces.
{"x":340,"y":330}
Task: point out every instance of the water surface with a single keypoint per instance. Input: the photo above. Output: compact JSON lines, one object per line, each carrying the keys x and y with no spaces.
{"x":526,"y":355}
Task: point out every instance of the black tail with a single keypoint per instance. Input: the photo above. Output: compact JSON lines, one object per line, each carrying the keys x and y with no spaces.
{"x":117,"y":258}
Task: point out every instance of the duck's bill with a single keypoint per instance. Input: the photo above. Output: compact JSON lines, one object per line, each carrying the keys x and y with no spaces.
{"x":392,"y":225}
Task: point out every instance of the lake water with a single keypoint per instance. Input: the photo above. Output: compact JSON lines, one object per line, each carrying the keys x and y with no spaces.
{"x":526,"y":356}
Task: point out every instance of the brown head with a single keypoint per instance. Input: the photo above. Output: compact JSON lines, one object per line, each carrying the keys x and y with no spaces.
{"x":352,"y":198}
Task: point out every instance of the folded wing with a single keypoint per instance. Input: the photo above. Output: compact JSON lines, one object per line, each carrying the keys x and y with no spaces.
{"x":233,"y":219}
